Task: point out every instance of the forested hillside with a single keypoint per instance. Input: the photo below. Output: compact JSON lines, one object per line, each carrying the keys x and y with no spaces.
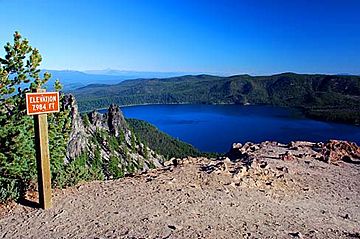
{"x":163,"y":143}
{"x":328,"y":97}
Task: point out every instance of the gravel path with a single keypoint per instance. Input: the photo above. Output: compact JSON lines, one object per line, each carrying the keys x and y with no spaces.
{"x":313,"y":199}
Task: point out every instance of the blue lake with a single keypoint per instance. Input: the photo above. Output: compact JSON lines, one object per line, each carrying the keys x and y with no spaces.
{"x":214,"y":128}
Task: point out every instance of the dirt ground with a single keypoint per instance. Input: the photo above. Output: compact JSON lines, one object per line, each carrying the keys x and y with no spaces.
{"x":200,"y":198}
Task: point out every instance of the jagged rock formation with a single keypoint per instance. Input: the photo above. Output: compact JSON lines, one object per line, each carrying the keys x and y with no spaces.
{"x":108,"y":137}
{"x":78,"y":140}
{"x":116,"y":120}
{"x":96,"y":119}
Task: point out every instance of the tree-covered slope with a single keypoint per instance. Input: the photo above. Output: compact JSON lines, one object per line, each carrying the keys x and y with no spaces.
{"x":329,"y":97}
{"x":161,"y":142}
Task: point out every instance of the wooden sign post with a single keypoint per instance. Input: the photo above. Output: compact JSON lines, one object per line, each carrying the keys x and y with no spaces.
{"x":39,"y":104}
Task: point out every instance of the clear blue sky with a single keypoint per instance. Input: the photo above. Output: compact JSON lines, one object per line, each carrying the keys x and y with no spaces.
{"x":224,"y":36}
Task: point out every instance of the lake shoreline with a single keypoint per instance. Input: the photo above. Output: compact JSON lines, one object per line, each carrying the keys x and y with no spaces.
{"x":305,"y":111}
{"x":212,"y":128}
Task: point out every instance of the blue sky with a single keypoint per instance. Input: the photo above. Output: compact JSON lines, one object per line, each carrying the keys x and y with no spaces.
{"x":225,"y":36}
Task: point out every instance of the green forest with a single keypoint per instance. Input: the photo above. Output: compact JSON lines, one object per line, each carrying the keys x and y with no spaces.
{"x":163,"y":143}
{"x":326,"y":97}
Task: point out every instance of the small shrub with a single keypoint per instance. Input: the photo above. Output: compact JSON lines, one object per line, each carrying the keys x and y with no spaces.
{"x":114,"y":167}
{"x":10,"y":189}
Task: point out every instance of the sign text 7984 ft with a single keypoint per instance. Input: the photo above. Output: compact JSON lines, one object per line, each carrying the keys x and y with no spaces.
{"x":40,"y":103}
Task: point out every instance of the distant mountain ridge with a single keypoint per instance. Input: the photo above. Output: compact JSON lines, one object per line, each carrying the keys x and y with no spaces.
{"x":72,"y":79}
{"x":137,"y":74}
{"x":329,"y":97}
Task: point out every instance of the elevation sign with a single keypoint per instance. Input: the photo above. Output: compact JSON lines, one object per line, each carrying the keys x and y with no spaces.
{"x":40,"y":103}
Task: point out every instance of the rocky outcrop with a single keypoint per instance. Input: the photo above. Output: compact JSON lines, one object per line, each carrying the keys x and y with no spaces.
{"x":272,"y":167}
{"x":78,"y":139}
{"x":96,"y":119}
{"x":243,"y":152}
{"x":330,"y":152}
{"x":337,"y":150}
{"x":116,"y":120}
{"x":108,"y":135}
{"x":113,"y":121}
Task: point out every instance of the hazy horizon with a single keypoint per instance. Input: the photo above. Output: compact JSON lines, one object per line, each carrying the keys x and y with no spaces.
{"x":114,"y":71}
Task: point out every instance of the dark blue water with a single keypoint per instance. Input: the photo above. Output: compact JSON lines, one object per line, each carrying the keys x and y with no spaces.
{"x":214,"y":128}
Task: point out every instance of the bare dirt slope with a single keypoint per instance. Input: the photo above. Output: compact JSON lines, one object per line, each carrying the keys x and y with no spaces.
{"x":273,"y":195}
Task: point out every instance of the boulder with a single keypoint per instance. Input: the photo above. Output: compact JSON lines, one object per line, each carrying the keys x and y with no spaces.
{"x":337,"y":150}
{"x":287,"y":156}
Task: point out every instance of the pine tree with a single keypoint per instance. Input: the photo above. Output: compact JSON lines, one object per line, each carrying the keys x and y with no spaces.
{"x":19,"y":74}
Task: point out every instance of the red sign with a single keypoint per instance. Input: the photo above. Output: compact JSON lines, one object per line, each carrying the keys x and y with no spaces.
{"x":41,"y":103}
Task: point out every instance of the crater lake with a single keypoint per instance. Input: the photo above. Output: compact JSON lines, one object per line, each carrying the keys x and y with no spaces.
{"x":213,"y":128}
